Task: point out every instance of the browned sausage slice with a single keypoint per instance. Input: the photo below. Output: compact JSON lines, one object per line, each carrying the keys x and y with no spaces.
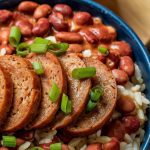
{"x":26,"y":92}
{"x":6,"y":94}
{"x":52,"y":72}
{"x":78,"y":91}
{"x":90,"y":122}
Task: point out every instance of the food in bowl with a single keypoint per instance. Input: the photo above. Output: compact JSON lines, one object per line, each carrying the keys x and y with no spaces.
{"x":71,"y":83}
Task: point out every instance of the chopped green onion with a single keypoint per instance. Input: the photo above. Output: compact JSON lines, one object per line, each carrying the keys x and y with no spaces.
{"x":58,"y":48}
{"x":66,"y":105}
{"x":54,"y":92}
{"x":90,"y":106}
{"x":38,"y":48}
{"x":82,"y":73}
{"x":56,"y":146}
{"x":38,"y":67}
{"x":96,"y":93}
{"x":14,"y":36}
{"x":39,"y":40}
{"x":37,"y":148}
{"x":9,"y":141}
{"x":103,"y":50}
{"x":23,"y":49}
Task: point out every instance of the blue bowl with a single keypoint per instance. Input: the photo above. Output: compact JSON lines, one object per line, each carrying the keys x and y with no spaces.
{"x":140,"y":53}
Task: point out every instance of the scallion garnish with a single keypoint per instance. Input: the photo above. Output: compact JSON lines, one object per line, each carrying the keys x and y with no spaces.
{"x":39,"y":40}
{"x":96,"y":93}
{"x":90,"y":106}
{"x":38,"y":48}
{"x":54,"y":92}
{"x":56,"y":146}
{"x":14,"y":36}
{"x":58,"y":48}
{"x":66,"y":105}
{"x":103,"y":50}
{"x":38,"y":67}
{"x":9,"y":141}
{"x":37,"y":148}
{"x":82,"y":73}
{"x":23,"y":49}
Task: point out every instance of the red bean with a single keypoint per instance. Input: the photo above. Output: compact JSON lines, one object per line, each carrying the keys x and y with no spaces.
{"x":103,"y":34}
{"x":4,"y":36}
{"x":122,"y":47}
{"x":75,"y":48}
{"x":127,"y":65}
{"x":94,"y":147}
{"x":45,"y":146}
{"x":115,"y":129}
{"x":69,"y":37}
{"x":26,"y":135}
{"x":25,"y":27}
{"x":120,"y":76}
{"x":8,"y":49}
{"x":101,"y":58}
{"x":64,"y":147}
{"x":64,"y":9}
{"x":19,"y":141}
{"x":125,"y":104}
{"x":27,"y":6}
{"x":4,"y":148}
{"x":41,"y":27}
{"x":89,"y":36}
{"x":131,"y":124}
{"x":5,"y":16}
{"x":82,"y":18}
{"x":42,"y":11}
{"x":56,"y":19}
{"x":112,"y":145}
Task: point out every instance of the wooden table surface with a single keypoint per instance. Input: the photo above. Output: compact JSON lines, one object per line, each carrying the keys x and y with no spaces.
{"x":135,"y":12}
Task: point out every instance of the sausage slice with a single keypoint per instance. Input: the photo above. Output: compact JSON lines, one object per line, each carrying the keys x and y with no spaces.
{"x":78,"y":91}
{"x":90,"y":122}
{"x":27,"y":92}
{"x":6,"y":94}
{"x":52,"y":72}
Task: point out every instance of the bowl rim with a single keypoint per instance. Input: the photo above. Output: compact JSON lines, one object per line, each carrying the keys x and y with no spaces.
{"x":136,"y":38}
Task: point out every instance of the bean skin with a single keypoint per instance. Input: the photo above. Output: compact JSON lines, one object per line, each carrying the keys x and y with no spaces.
{"x":56,"y":19}
{"x":75,"y":48}
{"x":94,"y":147}
{"x":89,"y":36}
{"x":131,"y":124}
{"x":101,"y":58}
{"x":4,"y":148}
{"x":41,"y":27}
{"x":27,"y":6}
{"x":115,"y":129}
{"x":65,"y":147}
{"x":122,"y":47}
{"x":125,"y":104}
{"x":64,"y":9}
{"x":120,"y":76}
{"x":127,"y":65}
{"x":69,"y":37}
{"x":42,"y":11}
{"x":8,"y":49}
{"x":5,"y":16}
{"x":112,"y":145}
{"x":25,"y":27}
{"x":82,"y":18}
{"x":4,"y":36}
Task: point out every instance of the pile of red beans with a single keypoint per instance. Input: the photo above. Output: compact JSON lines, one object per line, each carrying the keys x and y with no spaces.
{"x":81,"y":31}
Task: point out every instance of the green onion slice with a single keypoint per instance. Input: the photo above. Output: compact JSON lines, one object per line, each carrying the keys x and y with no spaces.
{"x":39,"y":40}
{"x":37,"y":148}
{"x":23,"y":49}
{"x":38,"y":67}
{"x":82,"y":73}
{"x":96,"y":93}
{"x":54,"y":92}
{"x":9,"y":141}
{"x":103,"y":50}
{"x":14,"y":36}
{"x":90,"y":106}
{"x":66,"y":105}
{"x":58,"y":48}
{"x":38,"y":48}
{"x":56,"y":146}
